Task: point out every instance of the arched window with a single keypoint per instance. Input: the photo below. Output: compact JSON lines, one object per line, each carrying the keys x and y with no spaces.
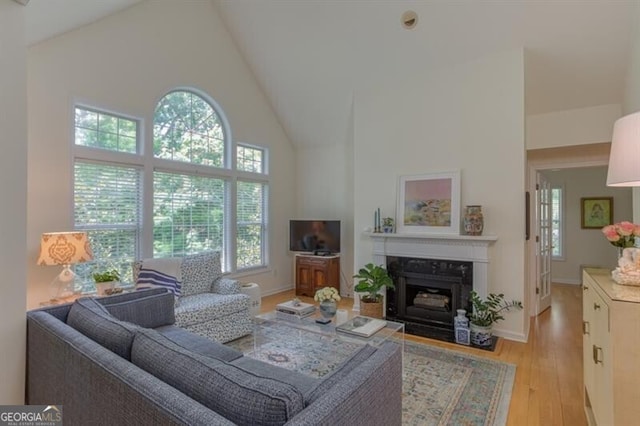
{"x":187,"y":128}
{"x":181,"y":195}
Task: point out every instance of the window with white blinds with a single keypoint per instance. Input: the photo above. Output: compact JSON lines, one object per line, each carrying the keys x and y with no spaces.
{"x":188,"y":214}
{"x":107,"y":201}
{"x":251,"y":224}
{"x":180,"y":195}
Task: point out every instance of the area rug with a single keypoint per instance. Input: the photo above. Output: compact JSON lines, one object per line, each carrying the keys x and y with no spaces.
{"x":440,"y":386}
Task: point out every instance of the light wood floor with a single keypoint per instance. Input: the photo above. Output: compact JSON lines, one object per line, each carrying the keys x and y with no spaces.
{"x":548,"y":382}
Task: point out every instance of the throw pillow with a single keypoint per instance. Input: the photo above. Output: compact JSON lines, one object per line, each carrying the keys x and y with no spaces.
{"x":155,"y":310}
{"x":164,"y":272}
{"x":93,"y":320}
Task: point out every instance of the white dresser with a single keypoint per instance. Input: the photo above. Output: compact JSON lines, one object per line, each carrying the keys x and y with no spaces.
{"x":611,"y":350}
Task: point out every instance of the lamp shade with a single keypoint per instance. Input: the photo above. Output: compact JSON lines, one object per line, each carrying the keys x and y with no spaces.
{"x":64,"y":248}
{"x":624,"y":158}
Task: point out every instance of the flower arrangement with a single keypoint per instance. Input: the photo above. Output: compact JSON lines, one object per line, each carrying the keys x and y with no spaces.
{"x":622,"y":234}
{"x":327,"y":293}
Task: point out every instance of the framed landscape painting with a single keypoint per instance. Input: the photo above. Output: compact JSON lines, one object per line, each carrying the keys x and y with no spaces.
{"x":596,"y":212}
{"x":429,"y":203}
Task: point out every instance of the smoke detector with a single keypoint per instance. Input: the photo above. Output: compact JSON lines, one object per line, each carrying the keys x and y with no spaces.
{"x":409,"y":19}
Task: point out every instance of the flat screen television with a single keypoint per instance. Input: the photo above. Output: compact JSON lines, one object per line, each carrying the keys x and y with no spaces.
{"x":315,"y":236}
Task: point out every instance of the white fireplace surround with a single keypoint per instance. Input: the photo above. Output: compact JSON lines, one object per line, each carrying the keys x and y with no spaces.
{"x":437,"y":246}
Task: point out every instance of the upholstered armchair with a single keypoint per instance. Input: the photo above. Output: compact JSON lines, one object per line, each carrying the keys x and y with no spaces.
{"x":207,"y":303}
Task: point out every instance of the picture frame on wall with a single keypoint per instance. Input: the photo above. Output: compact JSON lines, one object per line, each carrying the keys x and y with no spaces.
{"x":596,"y":212}
{"x":429,"y":203}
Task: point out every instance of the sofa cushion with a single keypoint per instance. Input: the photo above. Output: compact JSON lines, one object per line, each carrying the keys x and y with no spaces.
{"x":205,"y":307}
{"x":151,"y":311}
{"x":305,"y":384}
{"x":240,"y":396}
{"x":198,"y":344}
{"x":94,"y":321}
{"x":199,"y":272}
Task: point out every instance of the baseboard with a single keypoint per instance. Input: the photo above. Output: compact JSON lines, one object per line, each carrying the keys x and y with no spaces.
{"x":572,"y":281}
{"x":277,"y":290}
{"x":510,"y":335}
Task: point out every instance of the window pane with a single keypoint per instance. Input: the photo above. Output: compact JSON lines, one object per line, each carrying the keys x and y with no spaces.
{"x":107,"y":203}
{"x":188,"y":214}
{"x":250,"y":227}
{"x":187,"y":128}
{"x":250,"y":159}
{"x":101,"y":130}
{"x":556,"y":222}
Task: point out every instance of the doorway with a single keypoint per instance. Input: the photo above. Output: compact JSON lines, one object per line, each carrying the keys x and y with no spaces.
{"x":543,"y":162}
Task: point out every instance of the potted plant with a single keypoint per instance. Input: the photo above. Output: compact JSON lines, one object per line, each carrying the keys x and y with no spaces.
{"x":106,"y":280}
{"x":486,"y":313}
{"x":372,"y":278}
{"x":387,"y":224}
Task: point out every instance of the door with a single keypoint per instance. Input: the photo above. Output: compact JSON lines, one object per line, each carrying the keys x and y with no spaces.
{"x":544,"y":244}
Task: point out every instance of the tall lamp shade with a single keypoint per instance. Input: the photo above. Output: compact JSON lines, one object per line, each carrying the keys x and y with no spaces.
{"x":624,"y":158}
{"x":66,"y":249}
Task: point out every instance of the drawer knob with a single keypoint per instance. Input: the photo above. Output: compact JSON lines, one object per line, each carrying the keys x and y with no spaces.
{"x":584,"y":288}
{"x":596,"y":306}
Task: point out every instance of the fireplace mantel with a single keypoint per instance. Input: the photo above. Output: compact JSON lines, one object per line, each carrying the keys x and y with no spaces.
{"x":438,"y":246}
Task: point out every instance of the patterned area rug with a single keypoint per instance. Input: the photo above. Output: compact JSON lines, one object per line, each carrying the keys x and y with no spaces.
{"x":441,"y":387}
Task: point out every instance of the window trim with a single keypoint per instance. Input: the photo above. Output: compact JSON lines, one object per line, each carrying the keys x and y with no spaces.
{"x":144,"y":158}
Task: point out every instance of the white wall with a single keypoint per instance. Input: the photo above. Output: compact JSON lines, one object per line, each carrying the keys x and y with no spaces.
{"x":126,"y":63}
{"x":470,"y":117}
{"x":325,"y":191}
{"x":13,"y":189}
{"x":586,"y":246}
{"x":572,"y":127}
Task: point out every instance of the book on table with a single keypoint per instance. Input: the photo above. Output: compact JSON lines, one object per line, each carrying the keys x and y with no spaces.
{"x":300,"y":309}
{"x":362,"y":326}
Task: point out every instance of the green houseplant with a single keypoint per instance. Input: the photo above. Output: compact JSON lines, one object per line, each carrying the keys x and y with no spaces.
{"x":371,"y":279}
{"x":106,"y":280}
{"x":485,"y":313}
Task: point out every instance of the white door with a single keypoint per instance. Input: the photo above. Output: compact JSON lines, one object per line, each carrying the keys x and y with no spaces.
{"x":544,"y":244}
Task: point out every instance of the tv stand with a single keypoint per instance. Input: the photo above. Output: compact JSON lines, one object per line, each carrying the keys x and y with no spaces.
{"x":314,"y":272}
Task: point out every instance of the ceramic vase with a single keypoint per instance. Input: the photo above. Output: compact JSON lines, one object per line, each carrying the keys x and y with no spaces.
{"x":328,"y":308}
{"x":473,"y":220}
{"x":481,"y":336}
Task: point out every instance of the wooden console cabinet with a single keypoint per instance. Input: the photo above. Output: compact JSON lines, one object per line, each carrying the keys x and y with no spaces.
{"x":611,"y":349}
{"x":315,"y":272}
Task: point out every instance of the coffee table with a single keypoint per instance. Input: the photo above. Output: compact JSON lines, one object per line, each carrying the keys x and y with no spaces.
{"x":310,"y":347}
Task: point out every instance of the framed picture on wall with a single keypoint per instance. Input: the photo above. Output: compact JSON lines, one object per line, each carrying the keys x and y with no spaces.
{"x":596,"y":212}
{"x":429,"y":203}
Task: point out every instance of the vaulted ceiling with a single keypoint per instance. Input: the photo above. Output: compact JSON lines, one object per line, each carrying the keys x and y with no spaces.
{"x":312,"y":57}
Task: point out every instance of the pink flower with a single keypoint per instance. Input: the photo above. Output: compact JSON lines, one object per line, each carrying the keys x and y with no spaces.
{"x":625,"y":228}
{"x":636,"y":231}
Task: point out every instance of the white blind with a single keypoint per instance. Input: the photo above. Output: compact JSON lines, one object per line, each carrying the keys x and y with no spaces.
{"x":188,"y":214}
{"x":107,"y":201}
{"x":251,"y":224}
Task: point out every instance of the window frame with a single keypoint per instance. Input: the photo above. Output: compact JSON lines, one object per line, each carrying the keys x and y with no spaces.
{"x":144,"y":158}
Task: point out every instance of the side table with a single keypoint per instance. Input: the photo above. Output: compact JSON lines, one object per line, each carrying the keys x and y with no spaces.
{"x":253,"y":291}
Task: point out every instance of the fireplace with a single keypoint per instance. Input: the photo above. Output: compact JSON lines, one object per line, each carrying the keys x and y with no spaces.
{"x":442,"y":270}
{"x":427,"y":294}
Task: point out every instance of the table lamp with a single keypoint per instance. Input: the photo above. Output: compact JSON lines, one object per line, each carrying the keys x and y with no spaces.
{"x":66,"y":249}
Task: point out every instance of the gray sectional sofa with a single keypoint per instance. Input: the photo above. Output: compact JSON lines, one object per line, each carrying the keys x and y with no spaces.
{"x":121,"y":360}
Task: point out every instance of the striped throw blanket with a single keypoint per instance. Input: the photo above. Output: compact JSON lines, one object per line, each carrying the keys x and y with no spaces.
{"x":164,"y":272}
